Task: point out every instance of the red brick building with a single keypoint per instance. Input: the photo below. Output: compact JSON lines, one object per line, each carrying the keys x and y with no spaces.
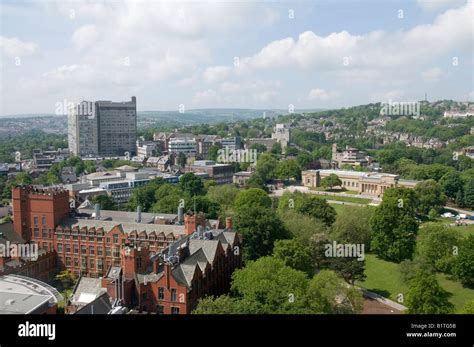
{"x":155,"y":267}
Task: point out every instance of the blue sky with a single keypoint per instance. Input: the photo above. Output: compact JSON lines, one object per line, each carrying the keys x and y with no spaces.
{"x":213,"y":54}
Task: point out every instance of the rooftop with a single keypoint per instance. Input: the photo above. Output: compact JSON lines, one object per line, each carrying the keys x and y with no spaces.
{"x":24,"y":295}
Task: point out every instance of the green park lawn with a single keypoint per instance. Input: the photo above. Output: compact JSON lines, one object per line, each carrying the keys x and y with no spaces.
{"x":341,"y":209}
{"x":348,"y":199}
{"x":384,"y":278}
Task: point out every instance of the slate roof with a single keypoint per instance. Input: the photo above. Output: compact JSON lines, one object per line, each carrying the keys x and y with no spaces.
{"x":101,"y":305}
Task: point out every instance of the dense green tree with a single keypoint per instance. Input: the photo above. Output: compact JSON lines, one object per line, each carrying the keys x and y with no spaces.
{"x":317,"y":208}
{"x":394,"y":225}
{"x":333,"y":295}
{"x":266,"y":166}
{"x":252,"y":197}
{"x":256,"y":181}
{"x":294,"y":254}
{"x":268,"y":286}
{"x":437,"y":245}
{"x":331,"y":181}
{"x":223,"y":304}
{"x":300,"y":226}
{"x":224,"y":194}
{"x":276,"y":148}
{"x":288,"y":169}
{"x":451,"y":183}
{"x":351,"y":269}
{"x":469,"y":194}
{"x":191,"y":184}
{"x":353,"y":226}
{"x":426,"y":296}
{"x":463,"y":267}
{"x":468,"y":308}
{"x":105,"y":202}
{"x":258,"y":147}
{"x":260,"y":227}
{"x":430,"y":195}
{"x":145,"y":196}
{"x":213,"y":152}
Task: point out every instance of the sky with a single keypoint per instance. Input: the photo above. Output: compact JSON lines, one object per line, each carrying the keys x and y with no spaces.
{"x":233,"y":54}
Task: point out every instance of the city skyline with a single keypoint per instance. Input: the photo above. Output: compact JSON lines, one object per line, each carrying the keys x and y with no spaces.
{"x":234,"y":55}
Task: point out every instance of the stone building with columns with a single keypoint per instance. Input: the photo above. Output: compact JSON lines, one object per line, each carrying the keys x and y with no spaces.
{"x":367,"y":183}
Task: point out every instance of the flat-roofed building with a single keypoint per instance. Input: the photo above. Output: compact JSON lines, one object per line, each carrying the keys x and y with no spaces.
{"x":25,"y":295}
{"x":220,"y":173}
{"x":367,"y":183}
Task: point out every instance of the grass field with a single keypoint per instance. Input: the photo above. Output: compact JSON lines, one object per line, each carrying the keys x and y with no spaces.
{"x":347,"y":199}
{"x":335,"y":190}
{"x":341,"y":209}
{"x":384,"y":277}
{"x":464,"y":230}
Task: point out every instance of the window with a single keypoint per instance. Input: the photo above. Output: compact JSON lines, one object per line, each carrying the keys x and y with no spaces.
{"x":36,"y":232}
{"x":161,"y":293}
{"x":174,"y":310}
{"x":107,"y":251}
{"x":68,"y":261}
{"x":44,"y":233}
{"x":99,"y":250}
{"x":92,"y":262}
{"x":75,"y":237}
{"x":45,"y":246}
{"x":91,"y":250}
{"x":83,"y":238}
{"x":60,"y":247}
{"x":91,"y":238}
{"x":108,"y":240}
{"x":35,"y":220}
{"x":43,"y":220}
{"x":76,"y":262}
{"x":68,"y":248}
{"x":100,"y":264}
{"x":115,"y":238}
{"x":139,"y":262}
{"x":83,"y":250}
{"x":116,"y":252}
{"x":173,"y":294}
{"x":76,"y":249}
{"x":160,"y":309}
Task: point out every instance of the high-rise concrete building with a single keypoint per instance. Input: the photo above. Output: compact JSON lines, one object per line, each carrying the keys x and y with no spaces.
{"x":117,"y":127}
{"x":103,"y":128}
{"x":82,"y":129}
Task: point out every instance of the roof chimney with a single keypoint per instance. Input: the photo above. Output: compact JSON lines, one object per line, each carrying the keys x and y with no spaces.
{"x":97,"y":211}
{"x":228,"y":223}
{"x":180,"y":215}
{"x":139,"y":214}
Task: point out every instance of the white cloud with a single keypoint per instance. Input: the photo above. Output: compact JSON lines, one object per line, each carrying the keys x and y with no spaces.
{"x":208,"y":96}
{"x":216,"y":73}
{"x":320,"y":95}
{"x":13,"y":47}
{"x":377,"y":49}
{"x":432,"y":75}
{"x":434,"y":5}
{"x":385,"y":96}
{"x":85,"y":36}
